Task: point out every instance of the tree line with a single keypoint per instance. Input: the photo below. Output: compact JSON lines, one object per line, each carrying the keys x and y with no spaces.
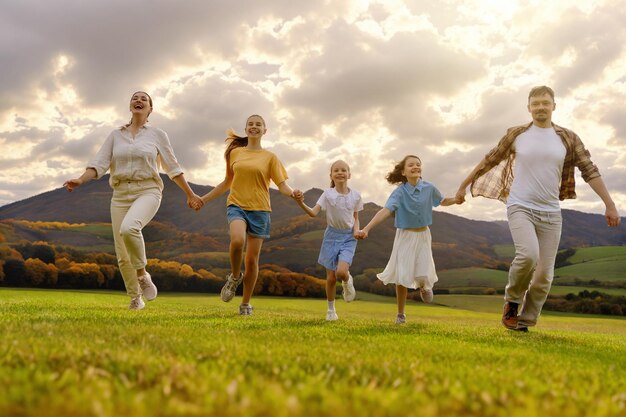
{"x":588,"y":302}
{"x":41,"y":265}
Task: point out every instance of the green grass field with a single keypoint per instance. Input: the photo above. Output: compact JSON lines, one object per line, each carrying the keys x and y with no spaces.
{"x":598,"y":253}
{"x":472,"y":277}
{"x":99,"y":229}
{"x":72,"y":353}
{"x":504,"y":251}
{"x":604,"y":263}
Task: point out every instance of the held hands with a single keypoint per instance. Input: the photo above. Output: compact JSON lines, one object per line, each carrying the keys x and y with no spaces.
{"x":73,"y":183}
{"x":297,"y":195}
{"x":361,"y":234}
{"x":194,"y":202}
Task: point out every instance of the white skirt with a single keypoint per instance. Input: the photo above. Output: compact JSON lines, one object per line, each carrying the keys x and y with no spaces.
{"x":411,"y":262}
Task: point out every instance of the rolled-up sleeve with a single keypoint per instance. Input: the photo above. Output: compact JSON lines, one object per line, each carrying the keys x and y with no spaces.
{"x":102,"y":161}
{"x":166,"y":155}
{"x":582,"y":160}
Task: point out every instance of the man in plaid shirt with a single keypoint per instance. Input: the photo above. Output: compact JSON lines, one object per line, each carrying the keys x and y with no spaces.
{"x":530,"y":170}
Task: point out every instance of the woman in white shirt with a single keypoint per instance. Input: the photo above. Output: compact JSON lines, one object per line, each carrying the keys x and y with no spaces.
{"x":133,"y":153}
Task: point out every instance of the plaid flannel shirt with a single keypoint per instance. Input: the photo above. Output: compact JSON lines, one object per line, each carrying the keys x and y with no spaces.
{"x":495,"y":177}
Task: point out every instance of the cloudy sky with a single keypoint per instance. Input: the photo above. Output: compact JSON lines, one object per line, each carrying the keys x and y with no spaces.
{"x":364,"y":81}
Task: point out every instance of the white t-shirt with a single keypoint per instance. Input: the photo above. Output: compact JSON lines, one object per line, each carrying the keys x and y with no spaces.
{"x":340,"y":208}
{"x":539,"y":157}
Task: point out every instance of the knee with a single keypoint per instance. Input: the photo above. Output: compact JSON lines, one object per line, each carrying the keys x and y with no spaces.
{"x":129,"y":230}
{"x":544,"y":277}
{"x":341,"y":275}
{"x":527,"y":259}
{"x":237,"y":243}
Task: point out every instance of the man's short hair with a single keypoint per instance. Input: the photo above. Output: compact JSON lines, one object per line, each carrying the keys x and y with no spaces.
{"x":540,"y":90}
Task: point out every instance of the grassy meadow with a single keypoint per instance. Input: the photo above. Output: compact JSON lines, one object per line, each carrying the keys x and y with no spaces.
{"x":604,"y":266}
{"x":72,"y":353}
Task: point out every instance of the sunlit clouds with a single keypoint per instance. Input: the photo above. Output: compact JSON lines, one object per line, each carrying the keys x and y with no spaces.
{"x":363,"y":81}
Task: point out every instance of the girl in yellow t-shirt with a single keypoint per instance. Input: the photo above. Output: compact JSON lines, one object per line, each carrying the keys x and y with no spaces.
{"x":249,"y":169}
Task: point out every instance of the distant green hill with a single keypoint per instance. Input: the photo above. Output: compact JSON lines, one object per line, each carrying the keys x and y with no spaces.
{"x":458,"y":243}
{"x":599,"y":253}
{"x":472,"y":277}
{"x":606,"y":265}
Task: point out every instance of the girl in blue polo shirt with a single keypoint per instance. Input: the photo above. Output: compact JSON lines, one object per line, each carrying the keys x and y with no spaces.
{"x":411,"y":262}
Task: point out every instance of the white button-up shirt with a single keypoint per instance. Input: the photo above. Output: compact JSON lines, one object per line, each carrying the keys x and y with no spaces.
{"x":136,"y":159}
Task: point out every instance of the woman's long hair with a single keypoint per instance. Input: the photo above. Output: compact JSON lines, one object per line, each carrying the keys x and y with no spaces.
{"x":234,"y":141}
{"x":395,"y":176}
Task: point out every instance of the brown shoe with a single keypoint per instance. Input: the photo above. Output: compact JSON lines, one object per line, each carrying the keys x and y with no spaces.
{"x":509,"y":316}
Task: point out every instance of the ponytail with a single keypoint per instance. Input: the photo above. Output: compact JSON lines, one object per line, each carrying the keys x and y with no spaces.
{"x":234,"y":141}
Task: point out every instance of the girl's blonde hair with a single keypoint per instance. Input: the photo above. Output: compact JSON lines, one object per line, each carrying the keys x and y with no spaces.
{"x":236,"y":141}
{"x":395,"y":176}
{"x":332,"y":183}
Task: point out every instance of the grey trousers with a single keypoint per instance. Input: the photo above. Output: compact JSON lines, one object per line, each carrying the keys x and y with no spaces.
{"x":536,"y":235}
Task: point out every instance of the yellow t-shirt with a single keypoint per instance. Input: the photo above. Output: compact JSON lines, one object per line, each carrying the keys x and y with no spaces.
{"x":253,"y":169}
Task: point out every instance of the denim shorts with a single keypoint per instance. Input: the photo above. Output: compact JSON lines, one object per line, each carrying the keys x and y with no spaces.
{"x":338,"y":245}
{"x":257,"y":222}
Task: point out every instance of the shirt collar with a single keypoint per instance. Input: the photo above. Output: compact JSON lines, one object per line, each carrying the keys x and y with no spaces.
{"x":126,"y":126}
{"x":412,"y":189}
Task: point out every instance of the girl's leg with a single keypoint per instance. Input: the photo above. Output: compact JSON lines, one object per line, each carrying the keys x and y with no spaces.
{"x":331,"y":290}
{"x":401,"y":293}
{"x":237,"y":242}
{"x":342,"y":271}
{"x":253,"y":252}
{"x":331,"y":285}
{"x":349,"y":293}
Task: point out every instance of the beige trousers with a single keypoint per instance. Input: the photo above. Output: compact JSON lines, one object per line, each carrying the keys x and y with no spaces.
{"x":536,"y":235}
{"x":133,"y":205}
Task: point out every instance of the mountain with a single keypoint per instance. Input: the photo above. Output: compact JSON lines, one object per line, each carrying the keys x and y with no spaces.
{"x":176,"y":229}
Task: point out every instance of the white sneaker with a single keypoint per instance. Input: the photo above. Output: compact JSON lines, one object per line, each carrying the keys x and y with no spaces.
{"x":147,"y":286}
{"x":245,"y":310}
{"x":349,"y":293}
{"x":426,"y":295}
{"x":400,"y":319}
{"x":136,"y":303}
{"x":331,"y":315}
{"x":229,"y":289}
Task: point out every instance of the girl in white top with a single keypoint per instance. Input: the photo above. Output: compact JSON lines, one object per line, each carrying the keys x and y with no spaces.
{"x":133,"y":153}
{"x":342,"y":206}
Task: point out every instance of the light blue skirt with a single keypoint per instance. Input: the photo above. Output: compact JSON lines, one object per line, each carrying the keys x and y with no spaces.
{"x":338,"y":245}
